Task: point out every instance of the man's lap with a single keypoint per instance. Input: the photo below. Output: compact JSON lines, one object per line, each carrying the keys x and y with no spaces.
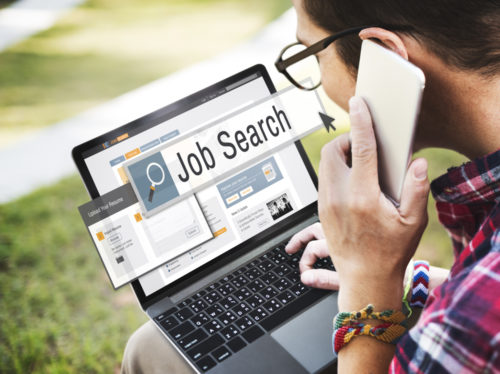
{"x":148,"y":351}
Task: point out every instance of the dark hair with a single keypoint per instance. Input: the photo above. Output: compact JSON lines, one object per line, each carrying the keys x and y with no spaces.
{"x":463,"y":33}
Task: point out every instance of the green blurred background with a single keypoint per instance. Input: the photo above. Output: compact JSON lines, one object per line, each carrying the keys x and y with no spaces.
{"x":58,"y":311}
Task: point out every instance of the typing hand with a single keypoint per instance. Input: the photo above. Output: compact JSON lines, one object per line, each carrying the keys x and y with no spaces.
{"x":313,"y":239}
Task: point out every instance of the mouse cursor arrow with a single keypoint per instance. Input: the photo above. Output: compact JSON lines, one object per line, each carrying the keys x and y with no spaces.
{"x":327,"y":121}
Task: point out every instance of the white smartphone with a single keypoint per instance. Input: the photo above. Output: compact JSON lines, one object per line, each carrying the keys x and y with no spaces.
{"x":392,"y":88}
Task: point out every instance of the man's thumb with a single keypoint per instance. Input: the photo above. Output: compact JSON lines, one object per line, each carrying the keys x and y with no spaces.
{"x":415,"y":190}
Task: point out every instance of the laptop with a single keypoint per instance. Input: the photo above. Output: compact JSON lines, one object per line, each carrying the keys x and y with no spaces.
{"x":234,"y":303}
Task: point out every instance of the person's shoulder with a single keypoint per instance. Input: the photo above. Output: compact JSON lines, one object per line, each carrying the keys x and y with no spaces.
{"x":469,"y":299}
{"x":484,"y":275}
{"x":479,"y":283}
{"x":459,"y":324}
{"x":472,"y":296}
{"x":480,"y":267}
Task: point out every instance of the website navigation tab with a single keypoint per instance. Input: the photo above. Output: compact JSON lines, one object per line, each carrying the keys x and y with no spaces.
{"x":169,"y":136}
{"x":132,"y":153}
{"x":117,"y":160}
{"x":149,"y":145}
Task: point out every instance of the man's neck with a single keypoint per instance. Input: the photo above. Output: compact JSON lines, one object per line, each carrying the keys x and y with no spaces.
{"x":461,"y":109}
{"x":475,"y":118}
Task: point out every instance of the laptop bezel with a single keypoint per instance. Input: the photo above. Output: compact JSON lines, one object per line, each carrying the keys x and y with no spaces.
{"x":80,"y":152}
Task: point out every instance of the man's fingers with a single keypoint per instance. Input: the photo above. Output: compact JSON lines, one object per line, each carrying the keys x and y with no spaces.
{"x":415,"y":191}
{"x":300,"y":240}
{"x":363,"y":144}
{"x":314,"y":250}
{"x":321,"y":278}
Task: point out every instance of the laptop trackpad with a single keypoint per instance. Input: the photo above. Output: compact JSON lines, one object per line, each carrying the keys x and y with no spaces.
{"x":308,"y":337}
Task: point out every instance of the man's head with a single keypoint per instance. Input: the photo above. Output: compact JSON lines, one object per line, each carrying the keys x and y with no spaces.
{"x":463,"y":33}
{"x":448,"y":40}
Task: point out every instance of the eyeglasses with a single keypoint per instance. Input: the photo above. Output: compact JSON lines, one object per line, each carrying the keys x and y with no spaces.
{"x":296,"y":61}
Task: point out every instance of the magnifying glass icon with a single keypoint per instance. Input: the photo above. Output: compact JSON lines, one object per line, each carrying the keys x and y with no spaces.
{"x":154,"y":183}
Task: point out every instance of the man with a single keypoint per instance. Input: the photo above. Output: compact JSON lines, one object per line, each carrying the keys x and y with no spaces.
{"x":457,"y":45}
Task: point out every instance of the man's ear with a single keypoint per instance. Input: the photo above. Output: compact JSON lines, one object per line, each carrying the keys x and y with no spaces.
{"x":387,"y":38}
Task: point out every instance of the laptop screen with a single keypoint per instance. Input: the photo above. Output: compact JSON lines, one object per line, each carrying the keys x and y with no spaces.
{"x":237,"y":208}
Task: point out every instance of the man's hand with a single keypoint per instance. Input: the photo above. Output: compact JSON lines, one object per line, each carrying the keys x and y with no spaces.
{"x":313,"y":239}
{"x":369,"y":239}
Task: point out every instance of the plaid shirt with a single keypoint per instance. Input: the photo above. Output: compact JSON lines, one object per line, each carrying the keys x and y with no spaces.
{"x":459,"y":328}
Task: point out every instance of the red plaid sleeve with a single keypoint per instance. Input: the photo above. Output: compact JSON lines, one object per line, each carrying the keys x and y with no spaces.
{"x":459,"y":329}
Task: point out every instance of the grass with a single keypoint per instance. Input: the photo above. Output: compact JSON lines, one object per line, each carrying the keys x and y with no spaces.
{"x":58,"y":311}
{"x":108,"y":47}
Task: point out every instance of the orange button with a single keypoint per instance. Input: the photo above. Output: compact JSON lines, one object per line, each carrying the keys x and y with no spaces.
{"x":246,"y":191}
{"x":138,"y":217}
{"x":233,"y":198}
{"x":220,"y":232}
{"x":100,"y":236}
{"x":132,"y":153}
{"x":122,"y":137}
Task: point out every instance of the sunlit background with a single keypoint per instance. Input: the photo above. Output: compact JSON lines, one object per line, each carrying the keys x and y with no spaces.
{"x":58,"y":311}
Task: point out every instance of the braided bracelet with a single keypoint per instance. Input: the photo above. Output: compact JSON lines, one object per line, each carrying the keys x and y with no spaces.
{"x":345,"y":318}
{"x":420,"y":289}
{"x":385,"y":332}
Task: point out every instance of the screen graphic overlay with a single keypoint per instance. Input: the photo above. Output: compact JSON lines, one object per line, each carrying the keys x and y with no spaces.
{"x":229,"y":144}
{"x":230,"y":223}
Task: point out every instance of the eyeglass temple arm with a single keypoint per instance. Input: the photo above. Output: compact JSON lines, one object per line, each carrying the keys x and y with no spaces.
{"x":281,"y":64}
{"x":313,"y":49}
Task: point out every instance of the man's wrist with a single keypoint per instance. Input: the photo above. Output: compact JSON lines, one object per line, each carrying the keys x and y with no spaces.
{"x":383,"y":295}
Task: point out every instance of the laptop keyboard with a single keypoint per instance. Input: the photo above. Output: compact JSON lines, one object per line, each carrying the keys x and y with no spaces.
{"x":231,"y":313}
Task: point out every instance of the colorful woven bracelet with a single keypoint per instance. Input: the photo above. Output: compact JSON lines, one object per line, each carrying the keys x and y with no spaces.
{"x":347,"y":318}
{"x":385,"y":332}
{"x":420,"y":288}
